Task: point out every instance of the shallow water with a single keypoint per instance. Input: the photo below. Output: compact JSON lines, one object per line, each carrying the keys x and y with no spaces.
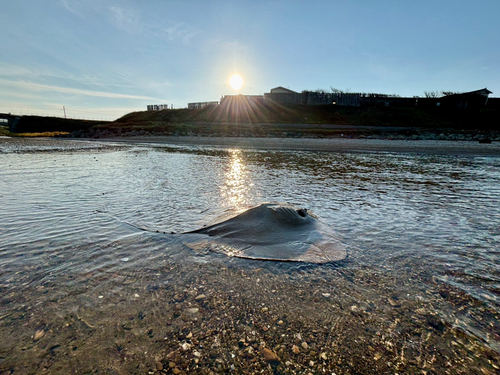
{"x":418,"y":226}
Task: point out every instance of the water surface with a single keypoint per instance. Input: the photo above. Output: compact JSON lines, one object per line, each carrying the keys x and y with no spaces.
{"x":87,"y":222}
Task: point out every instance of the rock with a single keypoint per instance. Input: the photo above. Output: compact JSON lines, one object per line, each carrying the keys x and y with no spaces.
{"x":269,"y":355}
{"x":38,"y":335}
{"x":159,"y":366}
{"x":193,"y":310}
{"x":393,"y":302}
{"x":326,"y":295}
{"x":200,"y":297}
{"x":304,"y":345}
{"x":176,"y":371}
{"x":323,"y":356}
{"x":171,"y":364}
{"x":295,"y":349}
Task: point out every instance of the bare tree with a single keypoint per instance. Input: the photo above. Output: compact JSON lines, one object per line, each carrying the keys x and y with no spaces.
{"x":446,"y":93}
{"x":432,"y":94}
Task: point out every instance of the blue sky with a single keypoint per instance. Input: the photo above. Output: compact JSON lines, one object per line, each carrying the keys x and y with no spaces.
{"x":106,"y":58}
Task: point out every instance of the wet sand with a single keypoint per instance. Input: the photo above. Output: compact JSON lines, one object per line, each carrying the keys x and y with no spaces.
{"x":216,"y":320}
{"x":460,"y":148}
{"x":330,"y":144}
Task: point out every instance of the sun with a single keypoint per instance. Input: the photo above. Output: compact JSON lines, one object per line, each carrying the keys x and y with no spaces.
{"x":236,"y":82}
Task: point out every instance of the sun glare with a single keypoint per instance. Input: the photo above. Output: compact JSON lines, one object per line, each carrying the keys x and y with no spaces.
{"x":236,"y":82}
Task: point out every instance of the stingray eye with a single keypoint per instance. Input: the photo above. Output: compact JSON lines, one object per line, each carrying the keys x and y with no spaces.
{"x":302,"y":212}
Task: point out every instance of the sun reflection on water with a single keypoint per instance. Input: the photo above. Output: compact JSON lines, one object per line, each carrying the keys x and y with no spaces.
{"x":235,"y":190}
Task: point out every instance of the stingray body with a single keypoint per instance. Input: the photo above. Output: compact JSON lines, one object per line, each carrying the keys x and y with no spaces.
{"x":271,"y":231}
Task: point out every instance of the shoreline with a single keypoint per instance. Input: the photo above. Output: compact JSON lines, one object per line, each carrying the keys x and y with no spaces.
{"x":438,"y":147}
{"x":339,"y":145}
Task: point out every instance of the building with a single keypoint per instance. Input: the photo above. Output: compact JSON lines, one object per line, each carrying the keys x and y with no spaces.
{"x":200,"y":105}
{"x":471,"y":100}
{"x":241,"y":98}
{"x":284,"y":96}
{"x":157,"y":107}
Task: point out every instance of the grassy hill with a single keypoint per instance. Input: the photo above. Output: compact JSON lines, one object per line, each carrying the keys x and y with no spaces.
{"x":238,"y":115}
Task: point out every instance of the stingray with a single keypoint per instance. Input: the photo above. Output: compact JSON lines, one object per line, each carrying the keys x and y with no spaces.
{"x":271,"y":231}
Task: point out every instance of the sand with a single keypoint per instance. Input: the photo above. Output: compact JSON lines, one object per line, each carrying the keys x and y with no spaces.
{"x":330,"y":144}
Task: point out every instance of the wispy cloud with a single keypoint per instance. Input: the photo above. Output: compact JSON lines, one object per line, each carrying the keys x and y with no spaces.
{"x":177,"y":31}
{"x":10,"y":70}
{"x":126,"y":19}
{"x":68,"y":90}
{"x":129,"y":19}
{"x":74,"y":6}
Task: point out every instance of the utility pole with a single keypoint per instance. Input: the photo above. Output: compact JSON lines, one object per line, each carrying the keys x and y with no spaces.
{"x":64,"y":109}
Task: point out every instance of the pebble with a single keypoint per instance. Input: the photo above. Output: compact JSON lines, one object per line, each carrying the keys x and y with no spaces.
{"x":323,"y":356}
{"x":193,"y":310}
{"x":269,"y":355}
{"x":38,"y":335}
{"x":200,"y":297}
{"x":295,"y":349}
{"x":326,"y":295}
{"x":304,"y":345}
{"x":159,"y":366}
{"x":264,"y":309}
{"x":171,"y":364}
{"x":176,"y":371}
{"x":393,"y":302}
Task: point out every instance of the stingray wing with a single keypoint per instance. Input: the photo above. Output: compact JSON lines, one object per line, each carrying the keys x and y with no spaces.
{"x":271,"y":232}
